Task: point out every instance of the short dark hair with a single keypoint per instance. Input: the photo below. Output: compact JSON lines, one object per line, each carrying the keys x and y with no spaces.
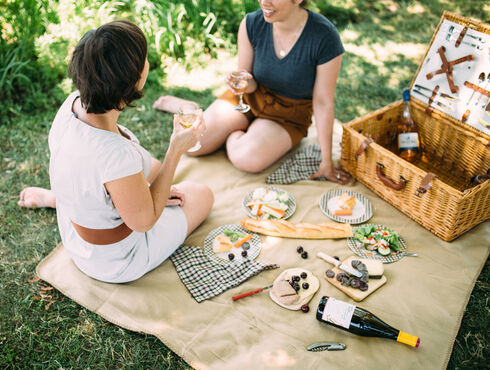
{"x":107,"y":64}
{"x":304,"y":4}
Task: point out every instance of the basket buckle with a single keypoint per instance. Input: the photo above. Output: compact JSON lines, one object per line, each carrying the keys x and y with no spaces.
{"x":425,"y":185}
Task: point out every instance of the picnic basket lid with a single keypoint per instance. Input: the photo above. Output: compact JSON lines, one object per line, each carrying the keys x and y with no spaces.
{"x":448,"y":80}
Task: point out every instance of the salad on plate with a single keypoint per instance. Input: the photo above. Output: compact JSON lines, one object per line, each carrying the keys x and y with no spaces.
{"x":378,"y":238}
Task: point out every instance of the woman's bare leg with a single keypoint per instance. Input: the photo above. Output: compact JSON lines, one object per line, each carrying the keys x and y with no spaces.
{"x":263,"y":144}
{"x":198,"y":201}
{"x":34,"y":197}
{"x":220,"y":117}
{"x":221,"y":120}
{"x":169,"y":103}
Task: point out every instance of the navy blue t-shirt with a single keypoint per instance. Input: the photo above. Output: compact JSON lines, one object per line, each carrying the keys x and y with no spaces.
{"x":294,"y":75}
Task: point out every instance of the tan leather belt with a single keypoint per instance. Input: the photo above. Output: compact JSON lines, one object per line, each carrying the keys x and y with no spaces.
{"x":103,"y":236}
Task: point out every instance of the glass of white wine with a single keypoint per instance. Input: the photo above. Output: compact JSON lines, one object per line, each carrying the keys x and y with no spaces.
{"x":187,"y":115}
{"x":239,"y":82}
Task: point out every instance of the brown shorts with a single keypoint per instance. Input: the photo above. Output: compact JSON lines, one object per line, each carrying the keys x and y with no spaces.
{"x":292,"y":114}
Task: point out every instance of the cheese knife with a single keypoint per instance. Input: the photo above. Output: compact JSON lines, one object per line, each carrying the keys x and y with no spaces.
{"x":349,"y":269}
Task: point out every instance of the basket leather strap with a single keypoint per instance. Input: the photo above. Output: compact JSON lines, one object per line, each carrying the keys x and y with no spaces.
{"x":461,"y":35}
{"x":425,"y":184}
{"x":388,"y":182}
{"x":363,"y":147}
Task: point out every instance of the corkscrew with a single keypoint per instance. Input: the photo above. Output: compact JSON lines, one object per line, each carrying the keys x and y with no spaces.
{"x":326,"y":346}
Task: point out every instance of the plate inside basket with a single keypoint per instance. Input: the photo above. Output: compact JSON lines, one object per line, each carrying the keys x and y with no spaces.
{"x":361,"y":251}
{"x":222,"y":257}
{"x":362,"y":211}
{"x":289,"y":211}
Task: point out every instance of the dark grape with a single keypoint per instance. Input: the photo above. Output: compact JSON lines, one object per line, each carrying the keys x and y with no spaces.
{"x":303,"y":275}
{"x":305,"y":285}
{"x":299,"y":249}
{"x":304,"y":255}
{"x":244,"y":253}
{"x":305,"y":308}
{"x":295,"y":278}
{"x":231,"y":256}
{"x":330,"y":273}
{"x":337,"y":258}
{"x":296,"y":286}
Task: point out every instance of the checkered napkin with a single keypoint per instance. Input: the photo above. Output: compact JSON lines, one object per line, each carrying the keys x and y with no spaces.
{"x":300,"y":166}
{"x":205,"y":278}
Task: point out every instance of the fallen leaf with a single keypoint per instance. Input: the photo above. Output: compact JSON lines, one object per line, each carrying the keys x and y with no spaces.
{"x":36,"y":298}
{"x":48,"y":304}
{"x":47,"y":288}
{"x":33,"y":280}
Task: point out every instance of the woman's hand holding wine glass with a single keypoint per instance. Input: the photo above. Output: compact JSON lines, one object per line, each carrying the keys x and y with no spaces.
{"x":238,"y":82}
{"x":188,"y":128}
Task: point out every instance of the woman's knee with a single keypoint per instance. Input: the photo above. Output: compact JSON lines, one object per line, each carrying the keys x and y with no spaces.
{"x":246,"y":160}
{"x":197,"y":193}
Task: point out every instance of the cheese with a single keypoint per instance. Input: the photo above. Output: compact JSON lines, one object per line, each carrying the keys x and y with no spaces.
{"x":375,"y":268}
{"x":347,"y":201}
{"x":222,"y":243}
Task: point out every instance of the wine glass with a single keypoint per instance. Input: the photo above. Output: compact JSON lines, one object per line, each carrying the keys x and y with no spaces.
{"x":239,"y":82}
{"x":187,"y":115}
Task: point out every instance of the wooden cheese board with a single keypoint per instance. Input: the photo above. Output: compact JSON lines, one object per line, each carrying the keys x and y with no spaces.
{"x":356,"y":294}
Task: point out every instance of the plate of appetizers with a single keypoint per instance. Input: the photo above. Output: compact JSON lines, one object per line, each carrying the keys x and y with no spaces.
{"x":294,"y":288}
{"x":231,"y":244}
{"x":269,"y":203}
{"x":346,"y":206}
{"x":377,"y":242}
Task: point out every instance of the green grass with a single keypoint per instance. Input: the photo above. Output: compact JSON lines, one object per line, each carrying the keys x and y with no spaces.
{"x":66,"y":335}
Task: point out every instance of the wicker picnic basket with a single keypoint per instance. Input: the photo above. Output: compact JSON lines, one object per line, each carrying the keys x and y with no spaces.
{"x":437,"y":190}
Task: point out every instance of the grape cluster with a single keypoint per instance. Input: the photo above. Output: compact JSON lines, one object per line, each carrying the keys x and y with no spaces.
{"x":348,"y":280}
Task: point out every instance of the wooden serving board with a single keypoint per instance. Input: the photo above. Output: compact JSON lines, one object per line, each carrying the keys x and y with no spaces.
{"x":356,"y":294}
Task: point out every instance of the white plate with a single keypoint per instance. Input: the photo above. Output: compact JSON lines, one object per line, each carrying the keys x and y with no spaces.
{"x":362,"y":211}
{"x":289,"y":211}
{"x":222,"y":257}
{"x":304,"y":295}
{"x":358,"y":248}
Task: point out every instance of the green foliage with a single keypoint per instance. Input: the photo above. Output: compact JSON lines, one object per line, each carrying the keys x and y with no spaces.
{"x":39,"y":36}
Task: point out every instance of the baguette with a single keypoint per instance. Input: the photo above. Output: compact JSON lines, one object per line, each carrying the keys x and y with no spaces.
{"x":285,"y":229}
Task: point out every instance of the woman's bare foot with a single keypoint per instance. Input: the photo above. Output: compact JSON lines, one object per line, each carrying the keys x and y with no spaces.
{"x":34,"y":197}
{"x":169,"y":103}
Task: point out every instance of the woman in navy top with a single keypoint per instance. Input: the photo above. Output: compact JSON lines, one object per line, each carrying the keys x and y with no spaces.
{"x":293,"y":56}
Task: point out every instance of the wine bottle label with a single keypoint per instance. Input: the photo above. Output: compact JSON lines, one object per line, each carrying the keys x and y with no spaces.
{"x":408,"y":140}
{"x":338,"y":312}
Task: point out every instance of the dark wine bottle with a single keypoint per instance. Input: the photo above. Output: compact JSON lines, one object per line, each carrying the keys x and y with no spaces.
{"x":358,"y":321}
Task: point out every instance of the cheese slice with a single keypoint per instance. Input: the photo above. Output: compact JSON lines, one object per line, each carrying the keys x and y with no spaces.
{"x":347,"y":201}
{"x":222,"y":243}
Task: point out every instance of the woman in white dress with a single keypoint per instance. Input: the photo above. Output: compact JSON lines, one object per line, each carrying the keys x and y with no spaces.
{"x":118,"y":213}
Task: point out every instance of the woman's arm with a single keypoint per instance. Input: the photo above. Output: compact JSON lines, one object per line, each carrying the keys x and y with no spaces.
{"x":246,"y":55}
{"x":323,"y":109}
{"x":140,"y":206}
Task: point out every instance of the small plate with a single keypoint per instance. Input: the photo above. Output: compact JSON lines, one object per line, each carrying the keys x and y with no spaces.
{"x":362,"y":211}
{"x":289,"y":211}
{"x":222,"y":257}
{"x":359,"y":249}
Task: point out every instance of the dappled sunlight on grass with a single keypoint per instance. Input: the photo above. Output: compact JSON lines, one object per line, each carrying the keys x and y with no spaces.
{"x":211,"y":75}
{"x":378,"y":54}
{"x":415,"y":9}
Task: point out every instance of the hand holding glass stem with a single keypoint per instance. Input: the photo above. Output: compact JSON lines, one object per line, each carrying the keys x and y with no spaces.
{"x":188,"y":117}
{"x":238,"y":83}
